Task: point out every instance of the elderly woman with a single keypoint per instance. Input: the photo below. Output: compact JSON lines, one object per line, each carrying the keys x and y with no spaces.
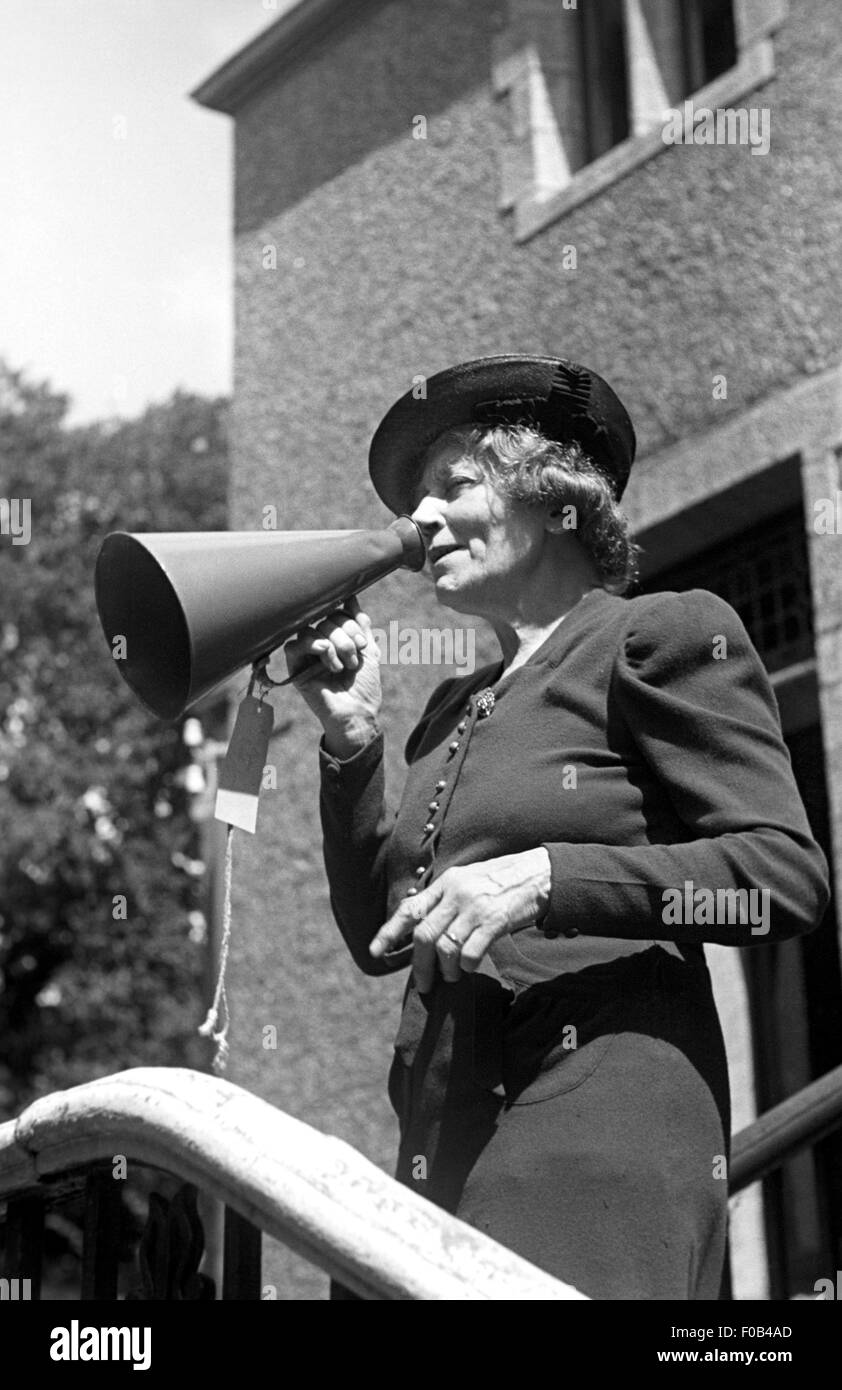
{"x":578,"y":820}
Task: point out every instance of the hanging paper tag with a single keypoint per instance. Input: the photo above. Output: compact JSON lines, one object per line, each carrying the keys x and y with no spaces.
{"x":241,"y":772}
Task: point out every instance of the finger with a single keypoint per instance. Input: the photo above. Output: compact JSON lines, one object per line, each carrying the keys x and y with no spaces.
{"x":434,"y":942}
{"x":321,"y":655}
{"x":346,"y":635}
{"x":404,"y":920}
{"x":353,"y":624}
{"x":352,"y":607}
{"x":349,"y":634}
{"x":300,"y":652}
{"x":448,"y":952}
{"x":365,"y":630}
{"x":475,"y":947}
{"x":399,"y":928}
{"x":362,"y":632}
{"x":324,"y":666}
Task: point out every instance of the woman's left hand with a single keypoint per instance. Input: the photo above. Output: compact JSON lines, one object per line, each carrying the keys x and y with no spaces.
{"x":459,"y":915}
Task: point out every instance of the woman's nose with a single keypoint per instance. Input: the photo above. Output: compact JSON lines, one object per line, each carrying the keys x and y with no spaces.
{"x":428,"y":513}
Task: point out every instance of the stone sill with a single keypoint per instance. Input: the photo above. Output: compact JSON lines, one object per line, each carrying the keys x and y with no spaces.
{"x":533,"y":214}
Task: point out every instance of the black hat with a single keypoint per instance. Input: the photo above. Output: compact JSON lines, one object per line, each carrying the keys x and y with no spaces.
{"x":564,"y":400}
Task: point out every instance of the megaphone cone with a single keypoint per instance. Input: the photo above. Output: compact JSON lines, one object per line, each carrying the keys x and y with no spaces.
{"x":193,"y":607}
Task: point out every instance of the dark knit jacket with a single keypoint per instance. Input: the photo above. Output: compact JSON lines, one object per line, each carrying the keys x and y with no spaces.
{"x":641,"y":745}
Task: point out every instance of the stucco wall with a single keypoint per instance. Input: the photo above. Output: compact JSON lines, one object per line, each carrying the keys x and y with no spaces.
{"x":392,"y":260}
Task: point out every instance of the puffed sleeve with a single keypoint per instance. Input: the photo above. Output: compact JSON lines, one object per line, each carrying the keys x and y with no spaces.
{"x":699,"y":706}
{"x":357,"y":824}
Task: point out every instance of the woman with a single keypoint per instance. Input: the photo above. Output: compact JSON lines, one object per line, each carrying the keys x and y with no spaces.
{"x":578,"y":819}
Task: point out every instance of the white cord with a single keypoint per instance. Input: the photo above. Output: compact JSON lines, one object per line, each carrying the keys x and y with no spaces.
{"x":220,"y":997}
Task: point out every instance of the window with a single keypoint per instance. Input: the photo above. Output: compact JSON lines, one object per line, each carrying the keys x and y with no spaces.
{"x":589,"y":83}
{"x":602,"y":38}
{"x":764,"y":574}
{"x":710,"y":41}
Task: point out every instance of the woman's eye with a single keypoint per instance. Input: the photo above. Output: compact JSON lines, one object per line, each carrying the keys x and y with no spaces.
{"x":456,"y":483}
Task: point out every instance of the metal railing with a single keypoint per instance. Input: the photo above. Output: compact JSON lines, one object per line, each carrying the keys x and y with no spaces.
{"x":278,"y":1176}
{"x":274,"y":1174}
{"x":797,"y":1123}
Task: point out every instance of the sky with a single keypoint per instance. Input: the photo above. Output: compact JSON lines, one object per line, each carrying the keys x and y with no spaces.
{"x":116,"y":197}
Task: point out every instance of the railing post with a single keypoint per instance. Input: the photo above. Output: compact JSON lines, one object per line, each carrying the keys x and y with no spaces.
{"x":25,"y":1241}
{"x":101,"y":1235}
{"x":241,"y":1259}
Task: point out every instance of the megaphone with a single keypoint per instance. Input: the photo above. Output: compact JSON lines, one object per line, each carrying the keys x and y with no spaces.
{"x":192,"y":608}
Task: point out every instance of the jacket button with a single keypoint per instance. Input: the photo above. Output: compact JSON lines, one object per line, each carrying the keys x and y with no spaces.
{"x":433,"y":806}
{"x":451,"y":747}
{"x":410,"y":892}
{"x":460,"y":728}
{"x":429,"y":828}
{"x":440,"y":785}
{"x":420,"y":872}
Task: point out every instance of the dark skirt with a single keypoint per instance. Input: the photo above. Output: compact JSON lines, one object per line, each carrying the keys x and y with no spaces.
{"x":616,"y":1187}
{"x":582,"y":1122}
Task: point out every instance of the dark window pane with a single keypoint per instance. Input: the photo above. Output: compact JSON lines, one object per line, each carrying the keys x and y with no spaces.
{"x":606,"y":83}
{"x":710,"y":41}
{"x":719,"y":41}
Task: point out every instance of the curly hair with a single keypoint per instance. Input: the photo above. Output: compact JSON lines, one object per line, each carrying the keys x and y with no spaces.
{"x":527,"y":467}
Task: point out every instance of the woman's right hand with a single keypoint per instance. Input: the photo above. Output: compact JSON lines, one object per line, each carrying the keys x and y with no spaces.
{"x":342,"y":688}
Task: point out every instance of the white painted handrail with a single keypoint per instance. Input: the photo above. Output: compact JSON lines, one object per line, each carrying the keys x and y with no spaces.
{"x":314,"y":1193}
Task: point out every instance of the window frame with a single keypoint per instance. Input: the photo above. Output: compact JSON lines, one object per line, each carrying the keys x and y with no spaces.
{"x":537,"y":183}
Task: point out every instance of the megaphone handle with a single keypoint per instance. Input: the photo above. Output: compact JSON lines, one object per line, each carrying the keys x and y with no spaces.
{"x":289,"y":679}
{"x":260,"y":676}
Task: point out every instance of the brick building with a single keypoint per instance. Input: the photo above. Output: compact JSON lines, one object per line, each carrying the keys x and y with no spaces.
{"x":423,"y":181}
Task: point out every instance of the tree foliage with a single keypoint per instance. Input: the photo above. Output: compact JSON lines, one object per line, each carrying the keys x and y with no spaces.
{"x":94,"y":808}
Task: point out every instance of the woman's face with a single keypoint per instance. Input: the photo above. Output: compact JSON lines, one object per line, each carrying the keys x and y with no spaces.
{"x":481,"y":545}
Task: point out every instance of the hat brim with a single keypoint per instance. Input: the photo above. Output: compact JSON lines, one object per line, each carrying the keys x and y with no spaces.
{"x":563,"y":399}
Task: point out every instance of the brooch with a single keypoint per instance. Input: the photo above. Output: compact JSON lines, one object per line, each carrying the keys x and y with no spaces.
{"x":485,"y":703}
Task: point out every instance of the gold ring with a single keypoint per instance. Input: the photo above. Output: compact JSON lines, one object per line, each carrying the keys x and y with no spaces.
{"x":453,"y":939}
